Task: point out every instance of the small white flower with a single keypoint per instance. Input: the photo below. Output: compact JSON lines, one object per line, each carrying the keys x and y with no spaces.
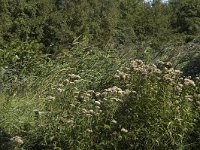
{"x":88,"y":115}
{"x":124,"y":130}
{"x":87,"y":95}
{"x":198,"y":102}
{"x":51,"y":98}
{"x":89,"y":130}
{"x":97,"y":102}
{"x":66,"y":80}
{"x":60,"y":85}
{"x":72,"y":83}
{"x":17,"y":139}
{"x":84,"y":110}
{"x":97,"y":107}
{"x":98,"y":94}
{"x":189,"y":82}
{"x":127,"y":92}
{"x":60,"y":90}
{"x":70,"y":121}
{"x":114,"y":121}
{"x":75,"y":77}
{"x":91,"y":111}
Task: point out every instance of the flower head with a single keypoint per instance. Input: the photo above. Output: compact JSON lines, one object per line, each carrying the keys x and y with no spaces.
{"x":17,"y":139}
{"x":124,"y":130}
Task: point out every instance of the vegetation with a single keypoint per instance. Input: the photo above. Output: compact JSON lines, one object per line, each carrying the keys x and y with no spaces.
{"x":97,"y":74}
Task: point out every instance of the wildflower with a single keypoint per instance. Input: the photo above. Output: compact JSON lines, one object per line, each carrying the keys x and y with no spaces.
{"x":168,"y":63}
{"x":72,"y":83}
{"x":121,"y":75}
{"x":17,"y":139}
{"x":127,"y":92}
{"x":116,"y":99}
{"x":179,"y":89}
{"x":70,"y":121}
{"x":90,"y":91}
{"x":87,"y":95}
{"x":60,"y":85}
{"x":97,"y":102}
{"x":116,"y":76}
{"x":198,"y":102}
{"x":124,"y":130}
{"x":97,"y":107}
{"x":189,"y":82}
{"x":74,"y":77}
{"x":88,"y":115}
{"x":91,"y":111}
{"x":177,"y":71}
{"x":168,"y":78}
{"x":84,"y":110}
{"x":120,"y":92}
{"x":114,"y":89}
{"x":178,"y":109}
{"x":96,"y":114}
{"x":158,"y":71}
{"x":105,"y":99}
{"x":98,"y":94}
{"x":66,"y":80}
{"x":114,"y":121}
{"x":188,"y":97}
{"x":77,"y":81}
{"x":134,"y":92}
{"x":180,"y":85}
{"x":104,"y":93}
{"x":76,"y":92}
{"x":89,"y":130}
{"x":17,"y":57}
{"x":51,"y":98}
{"x":60,"y":90}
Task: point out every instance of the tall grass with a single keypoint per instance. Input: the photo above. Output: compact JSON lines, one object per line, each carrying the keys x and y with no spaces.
{"x":94,"y":100}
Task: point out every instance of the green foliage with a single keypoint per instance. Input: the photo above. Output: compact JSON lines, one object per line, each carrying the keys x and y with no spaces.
{"x":186,"y":17}
{"x":19,"y":59}
{"x":87,"y":104}
{"x":71,"y":78}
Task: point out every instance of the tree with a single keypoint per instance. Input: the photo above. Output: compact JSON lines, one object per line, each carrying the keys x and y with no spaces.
{"x":186,"y":16}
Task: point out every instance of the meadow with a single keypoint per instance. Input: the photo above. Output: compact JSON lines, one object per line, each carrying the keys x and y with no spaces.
{"x":96,"y":100}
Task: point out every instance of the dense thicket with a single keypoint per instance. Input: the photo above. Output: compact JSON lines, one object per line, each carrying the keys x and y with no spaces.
{"x":58,"y":23}
{"x":62,"y":24}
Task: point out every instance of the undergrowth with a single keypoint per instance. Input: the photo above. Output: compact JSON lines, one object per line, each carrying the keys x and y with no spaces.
{"x":94,"y":100}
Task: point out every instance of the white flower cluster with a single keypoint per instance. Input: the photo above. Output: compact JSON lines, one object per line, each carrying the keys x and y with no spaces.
{"x":121,"y":75}
{"x":17,"y":140}
{"x":189,"y":82}
{"x":116,"y":90}
{"x":140,"y":67}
